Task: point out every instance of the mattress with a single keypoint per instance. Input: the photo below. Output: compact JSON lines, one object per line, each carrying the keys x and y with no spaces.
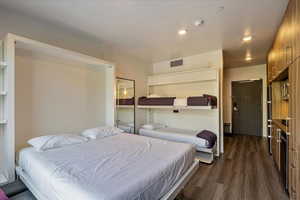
{"x":205,"y":100}
{"x":121,"y":167}
{"x":158,"y":101}
{"x":176,"y":135}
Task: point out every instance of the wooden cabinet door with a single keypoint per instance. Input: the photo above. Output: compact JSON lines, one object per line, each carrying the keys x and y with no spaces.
{"x":289,"y":31}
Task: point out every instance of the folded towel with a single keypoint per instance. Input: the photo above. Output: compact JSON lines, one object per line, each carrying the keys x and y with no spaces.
{"x":3,"y":195}
{"x":209,"y":136}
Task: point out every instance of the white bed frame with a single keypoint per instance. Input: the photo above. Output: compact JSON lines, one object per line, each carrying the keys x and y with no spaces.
{"x":171,"y":195}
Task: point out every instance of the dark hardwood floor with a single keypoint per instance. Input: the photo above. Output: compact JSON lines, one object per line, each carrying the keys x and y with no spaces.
{"x":244,"y":172}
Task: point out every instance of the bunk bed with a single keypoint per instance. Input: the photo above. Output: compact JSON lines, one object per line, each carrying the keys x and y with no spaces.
{"x":175,"y":99}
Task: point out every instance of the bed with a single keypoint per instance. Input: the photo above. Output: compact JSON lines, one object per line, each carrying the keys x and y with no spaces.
{"x":204,"y":153}
{"x":124,"y":166}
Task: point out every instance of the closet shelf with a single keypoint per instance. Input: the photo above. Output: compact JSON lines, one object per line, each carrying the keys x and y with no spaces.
{"x":179,"y":107}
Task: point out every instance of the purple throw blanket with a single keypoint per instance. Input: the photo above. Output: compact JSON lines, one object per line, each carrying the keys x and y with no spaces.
{"x":209,"y":136}
{"x":3,"y":196}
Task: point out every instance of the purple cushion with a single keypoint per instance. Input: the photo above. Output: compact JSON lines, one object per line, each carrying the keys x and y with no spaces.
{"x":209,"y":136}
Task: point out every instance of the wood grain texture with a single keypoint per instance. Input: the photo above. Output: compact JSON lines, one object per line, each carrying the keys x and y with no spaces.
{"x":245,"y":171}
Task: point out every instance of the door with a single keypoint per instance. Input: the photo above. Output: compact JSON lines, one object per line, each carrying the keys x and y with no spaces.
{"x":247,"y":107}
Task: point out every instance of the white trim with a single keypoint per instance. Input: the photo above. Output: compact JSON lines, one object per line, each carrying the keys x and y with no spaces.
{"x":174,"y":191}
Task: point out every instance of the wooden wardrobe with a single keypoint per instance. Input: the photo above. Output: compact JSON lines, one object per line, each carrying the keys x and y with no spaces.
{"x":283,"y":68}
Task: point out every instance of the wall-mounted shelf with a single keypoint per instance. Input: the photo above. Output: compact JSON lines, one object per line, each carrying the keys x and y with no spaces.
{"x":179,"y":107}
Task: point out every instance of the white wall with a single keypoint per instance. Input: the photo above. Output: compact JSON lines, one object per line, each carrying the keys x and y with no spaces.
{"x":127,"y":66}
{"x":54,"y":97}
{"x":212,"y":59}
{"x":244,"y":73}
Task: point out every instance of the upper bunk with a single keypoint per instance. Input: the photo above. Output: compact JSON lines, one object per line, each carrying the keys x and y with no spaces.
{"x":163,"y":95}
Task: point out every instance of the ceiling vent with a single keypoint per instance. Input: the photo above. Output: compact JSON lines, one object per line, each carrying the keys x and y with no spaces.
{"x":176,"y":63}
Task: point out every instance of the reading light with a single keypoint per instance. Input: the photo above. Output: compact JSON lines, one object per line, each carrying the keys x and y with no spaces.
{"x":125,"y":92}
{"x":182,"y":32}
{"x":247,"y":38}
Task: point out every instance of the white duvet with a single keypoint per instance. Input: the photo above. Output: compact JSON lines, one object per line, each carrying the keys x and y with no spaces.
{"x":121,"y":167}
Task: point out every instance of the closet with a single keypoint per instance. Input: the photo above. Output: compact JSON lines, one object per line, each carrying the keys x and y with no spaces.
{"x":284,"y":97}
{"x":48,"y":90}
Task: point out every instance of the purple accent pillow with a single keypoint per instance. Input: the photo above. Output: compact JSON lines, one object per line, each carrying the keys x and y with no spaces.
{"x":3,"y":195}
{"x":209,"y":136}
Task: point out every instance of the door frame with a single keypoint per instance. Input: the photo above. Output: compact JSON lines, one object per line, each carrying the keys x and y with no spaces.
{"x":262,"y":102}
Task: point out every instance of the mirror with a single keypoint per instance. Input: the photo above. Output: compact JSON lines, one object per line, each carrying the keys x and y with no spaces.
{"x":125,"y":103}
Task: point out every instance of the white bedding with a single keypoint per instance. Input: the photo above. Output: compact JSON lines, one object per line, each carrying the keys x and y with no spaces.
{"x":176,"y":135}
{"x":120,"y":167}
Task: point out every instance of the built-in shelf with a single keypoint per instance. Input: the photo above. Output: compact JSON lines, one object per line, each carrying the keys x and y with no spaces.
{"x":125,"y":106}
{"x":179,"y":107}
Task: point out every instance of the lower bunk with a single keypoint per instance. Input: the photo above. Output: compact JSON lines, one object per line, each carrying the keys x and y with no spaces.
{"x":204,"y":141}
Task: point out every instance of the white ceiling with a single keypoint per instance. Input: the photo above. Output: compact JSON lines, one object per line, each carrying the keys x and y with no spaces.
{"x":148,"y":29}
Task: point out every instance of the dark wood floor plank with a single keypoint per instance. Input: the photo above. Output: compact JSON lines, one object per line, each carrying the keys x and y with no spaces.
{"x":245,"y":171}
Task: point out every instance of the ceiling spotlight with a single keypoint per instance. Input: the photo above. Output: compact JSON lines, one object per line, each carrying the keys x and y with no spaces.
{"x":247,"y":38}
{"x":182,"y":32}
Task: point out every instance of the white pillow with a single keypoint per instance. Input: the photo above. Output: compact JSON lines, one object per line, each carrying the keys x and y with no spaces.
{"x":153,"y":126}
{"x":101,"y":132}
{"x":46,"y":142}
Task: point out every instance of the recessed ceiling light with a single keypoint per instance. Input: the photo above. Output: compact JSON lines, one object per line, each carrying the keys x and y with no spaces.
{"x":247,"y":38}
{"x":182,"y":32}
